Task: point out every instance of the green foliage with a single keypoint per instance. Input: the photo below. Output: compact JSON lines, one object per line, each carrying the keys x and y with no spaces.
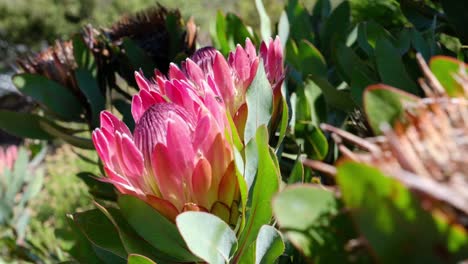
{"x":212,"y":239}
{"x":393,"y":221}
{"x":18,"y":187}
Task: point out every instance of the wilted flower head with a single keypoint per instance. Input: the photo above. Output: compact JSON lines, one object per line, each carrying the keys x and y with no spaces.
{"x":179,"y":157}
{"x":8,"y":156}
{"x":56,"y":63}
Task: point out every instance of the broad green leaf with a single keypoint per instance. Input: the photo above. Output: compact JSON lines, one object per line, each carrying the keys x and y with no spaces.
{"x":29,"y":127}
{"x":368,"y":34}
{"x":297,"y":172}
{"x":155,"y":228}
{"x":265,"y":185}
{"x":315,"y":142}
{"x":139,"y":259}
{"x":445,"y":69}
{"x":322,"y":9}
{"x":297,"y":206}
{"x":251,"y":163}
{"x":283,"y":29}
{"x":100,"y":232}
{"x":82,"y":55}
{"x":336,"y":27}
{"x":359,"y":81}
{"x":412,"y":11}
{"x":420,"y":44}
{"x":82,"y":250}
{"x":348,"y":63}
{"x":337,"y":98}
{"x":384,"y":104}
{"x":139,"y":59}
{"x":299,"y":21}
{"x":259,"y":99}
{"x":98,"y":188}
{"x":311,"y":60}
{"x":391,"y":69}
{"x":219,"y":34}
{"x":269,"y":245}
{"x":284,"y":122}
{"x":310,"y":217}
{"x":125,"y":109}
{"x":50,"y":94}
{"x":456,"y":12}
{"x":393,"y":221}
{"x":132,"y":242}
{"x":89,"y":87}
{"x":265,"y":24}
{"x":207,"y":236}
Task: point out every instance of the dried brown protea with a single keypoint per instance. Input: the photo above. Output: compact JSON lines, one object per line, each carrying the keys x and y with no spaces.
{"x":159,"y":32}
{"x":426,"y":148}
{"x":56,"y":63}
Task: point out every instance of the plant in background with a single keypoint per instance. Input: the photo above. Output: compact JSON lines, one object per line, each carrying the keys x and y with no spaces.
{"x":405,"y":187}
{"x":20,"y":181}
{"x":190,"y":187}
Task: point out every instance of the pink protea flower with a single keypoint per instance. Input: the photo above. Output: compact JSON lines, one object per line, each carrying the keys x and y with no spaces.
{"x":179,"y":156}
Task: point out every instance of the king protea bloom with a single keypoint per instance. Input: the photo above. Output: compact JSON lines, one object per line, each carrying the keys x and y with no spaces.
{"x":179,"y":157}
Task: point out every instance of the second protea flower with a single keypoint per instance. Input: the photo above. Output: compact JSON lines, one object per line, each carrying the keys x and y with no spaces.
{"x":179,"y":157}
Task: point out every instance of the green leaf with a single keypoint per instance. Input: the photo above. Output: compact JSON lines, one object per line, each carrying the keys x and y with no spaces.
{"x":219,"y":34}
{"x":336,"y":27}
{"x":368,"y":34}
{"x":259,"y":99}
{"x":310,"y":217}
{"x":155,"y":228}
{"x":269,"y":245}
{"x":64,"y":134}
{"x":348,"y":63}
{"x":29,"y":127}
{"x":125,"y":109}
{"x":445,"y":69}
{"x":311,"y":60}
{"x":89,"y":87}
{"x":265,"y":24}
{"x":56,"y":98}
{"x":337,"y":98}
{"x":310,"y":201}
{"x":456,"y":12}
{"x":384,"y":104}
{"x":131,"y":241}
{"x":315,"y":142}
{"x":393,"y":222}
{"x":139,"y":259}
{"x":283,"y":28}
{"x":297,"y":172}
{"x":266,"y":183}
{"x":139,"y":59}
{"x":100,"y":232}
{"x":207,"y":236}
{"x":83,"y":56}
{"x":391,"y":69}
{"x":299,"y":21}
{"x":99,"y":189}
{"x":284,"y":122}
